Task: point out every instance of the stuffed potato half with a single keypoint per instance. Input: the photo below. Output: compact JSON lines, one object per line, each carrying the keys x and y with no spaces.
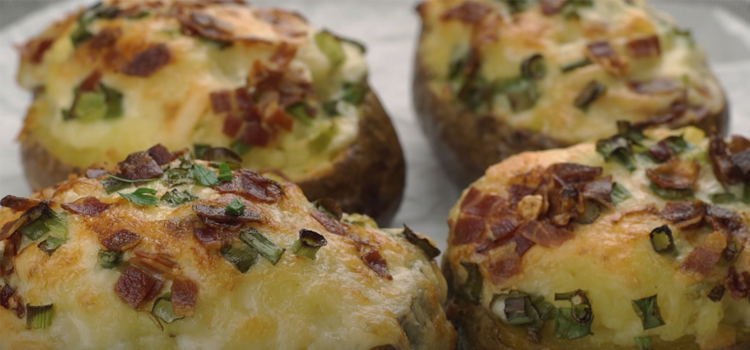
{"x":197,"y":256}
{"x":496,"y":78}
{"x":120,"y":76}
{"x":561,"y":249}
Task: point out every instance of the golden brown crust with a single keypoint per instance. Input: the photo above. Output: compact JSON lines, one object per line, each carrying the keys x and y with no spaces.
{"x":42,"y":169}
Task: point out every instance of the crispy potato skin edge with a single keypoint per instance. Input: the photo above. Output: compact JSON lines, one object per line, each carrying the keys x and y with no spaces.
{"x":467,"y":144}
{"x":368,"y":178}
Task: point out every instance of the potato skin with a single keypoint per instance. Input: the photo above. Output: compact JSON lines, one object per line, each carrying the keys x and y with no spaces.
{"x":367,"y":178}
{"x":467,"y":144}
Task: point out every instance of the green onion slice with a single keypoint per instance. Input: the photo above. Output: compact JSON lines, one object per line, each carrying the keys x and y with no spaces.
{"x":329,"y":207}
{"x":717,"y":292}
{"x":142,"y":197}
{"x":616,"y":148}
{"x":330,"y":45}
{"x":661,"y":239}
{"x":175,"y":198}
{"x":471,"y":290}
{"x":644,"y":343}
{"x":421,"y":242}
{"x":262,"y":244}
{"x":722,"y":198}
{"x":51,"y":244}
{"x":164,"y":310}
{"x":39,"y":317}
{"x":199,"y":149}
{"x":575,"y":65}
{"x":241,"y":255}
{"x":112,"y":185}
{"x":648,"y":311}
{"x":733,"y":250}
{"x":308,"y":244}
{"x":34,"y":230}
{"x":521,"y":93}
{"x":355,"y":93}
{"x":746,"y":194}
{"x":590,"y":214}
{"x":619,"y":193}
{"x":567,"y":328}
{"x":240,"y":147}
{"x":677,"y":144}
{"x":299,"y":112}
{"x":534,"y":67}
{"x":225,"y":173}
{"x":670,"y":193}
{"x":592,"y":92}
{"x":110,"y":259}
{"x":236,"y":207}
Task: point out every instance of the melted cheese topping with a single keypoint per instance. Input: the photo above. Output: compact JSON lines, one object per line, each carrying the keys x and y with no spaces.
{"x":172,"y":106}
{"x":562,"y":40}
{"x":332,"y":302}
{"x":613,"y":260}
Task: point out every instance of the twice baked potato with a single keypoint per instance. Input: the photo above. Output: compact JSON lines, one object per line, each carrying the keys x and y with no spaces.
{"x":495,"y":78}
{"x":562,"y":250}
{"x":121,"y":76}
{"x":194,"y":257}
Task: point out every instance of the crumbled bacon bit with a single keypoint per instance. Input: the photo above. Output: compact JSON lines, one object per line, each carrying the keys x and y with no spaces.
{"x":250,"y":185}
{"x":504,"y":227}
{"x":95,"y":173}
{"x":5,"y":294}
{"x":553,"y":7}
{"x":569,"y":173}
{"x":738,"y":284}
{"x":18,"y":203}
{"x":137,"y":286}
{"x":210,"y":236}
{"x":284,"y":54}
{"x":645,"y":47}
{"x":40,"y":50}
{"x":184,"y":296}
{"x":600,"y":191}
{"x":484,"y":206}
{"x":605,"y":55}
{"x":139,"y":166}
{"x":722,"y":167}
{"x":232,"y":126}
{"x":16,"y":303}
{"x":545,"y":234}
{"x":565,"y":203}
{"x":661,"y":151}
{"x":281,"y":119}
{"x":675,"y":174}
{"x":202,"y":24}
{"x":656,"y":86}
{"x":215,"y":216}
{"x":468,"y":229}
{"x":377,"y":263}
{"x":329,"y":223}
{"x":121,"y":240}
{"x":738,"y":144}
{"x":91,"y":82}
{"x":12,"y":245}
{"x":724,"y":221}
{"x":161,"y":154}
{"x":107,"y":37}
{"x":701,"y":261}
{"x":221,"y":101}
{"x":89,"y":206}
{"x":244,"y":100}
{"x":255,"y":134}
{"x":149,"y":61}
{"x":469,"y":12}
{"x":505,"y":268}
{"x":684,"y":214}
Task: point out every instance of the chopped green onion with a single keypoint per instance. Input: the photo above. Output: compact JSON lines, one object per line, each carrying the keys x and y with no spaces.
{"x":308,"y":244}
{"x":225,"y":173}
{"x":51,"y":244}
{"x":199,"y":149}
{"x":471,"y":290}
{"x":112,"y":185}
{"x":644,"y":343}
{"x":34,"y":230}
{"x":661,"y":239}
{"x":616,"y":148}
{"x":110,"y":259}
{"x":722,"y":198}
{"x":647,"y":310}
{"x":520,"y":92}
{"x":90,"y":106}
{"x":547,"y":311}
{"x":122,"y":179}
{"x":567,"y":328}
{"x":205,"y":176}
{"x":355,"y":93}
{"x":670,"y":193}
{"x":57,"y":223}
{"x":176,"y":198}
{"x":717,"y":292}
{"x":575,"y":65}
{"x":141,"y":197}
{"x":321,"y":142}
{"x":299,"y":112}
{"x":677,"y":144}
{"x":421,"y":242}
{"x":240,"y":147}
{"x":262,"y":244}
{"x":164,"y":310}
{"x":732,"y":251}
{"x":630,"y":132}
{"x":619,"y":193}
{"x":177,"y":176}
{"x":241,"y":255}
{"x":331,"y":108}
{"x":330,"y":45}
{"x":38,"y":317}
{"x":746,"y":194}
{"x":517,"y":310}
{"x":592,"y":92}
{"x":534,"y":67}
{"x":590,"y":213}
{"x":458,"y":66}
{"x":516,"y":6}
{"x":236,"y":207}
{"x":329,"y":207}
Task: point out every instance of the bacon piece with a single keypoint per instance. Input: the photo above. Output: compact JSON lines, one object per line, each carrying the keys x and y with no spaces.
{"x":121,"y":240}
{"x":136,"y":286}
{"x":468,"y":229}
{"x":569,"y":173}
{"x":504,"y":227}
{"x":89,"y":206}
{"x":522,"y":244}
{"x":738,"y":144}
{"x":675,"y":174}
{"x":377,"y":263}
{"x":161,"y":154}
{"x":605,"y":55}
{"x":140,"y":165}
{"x":722,"y":167}
{"x":565,"y":203}
{"x":483,"y":206}
{"x":281,"y":119}
{"x":217,"y":216}
{"x":545,"y":234}
{"x":149,"y":61}
{"x":250,"y":185}
{"x":553,"y":7}
{"x":518,"y":192}
{"x":184,"y":296}
{"x":201,"y":24}
{"x":16,"y":303}
{"x":600,"y":191}
{"x":284,"y":55}
{"x":684,"y":214}
{"x":5,"y":294}
{"x":12,"y":245}
{"x":107,"y":37}
{"x":211,"y":237}
{"x":30,"y":215}
{"x":645,"y":47}
{"x":738,"y":284}
{"x":221,"y":101}
{"x":40,"y":49}
{"x":506,"y":267}
{"x":469,"y":12}
{"x":741,"y":162}
{"x":470,"y":198}
{"x":661,"y":151}
{"x":92,"y":173}
{"x":725,"y":221}
{"x":255,"y":134}
{"x":701,"y":261}
{"x":244,"y":100}
{"x":232,"y":126}
{"x":655,"y":87}
{"x":18,"y":203}
{"x":329,"y":223}
{"x":91,"y":83}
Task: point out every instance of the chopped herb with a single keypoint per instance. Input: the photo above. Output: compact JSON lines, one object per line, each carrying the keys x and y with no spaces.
{"x":122,"y":179}
{"x":661,"y":239}
{"x":110,"y":259}
{"x":38,"y":317}
{"x":520,"y":92}
{"x":355,"y":93}
{"x":199,"y":149}
{"x":471,"y":290}
{"x":164,"y":310}
{"x":648,"y":311}
{"x":421,"y":242}
{"x":240,"y":147}
{"x":575,"y":65}
{"x":722,"y":198}
{"x":225,"y":173}
{"x":299,"y":112}
{"x":205,"y":176}
{"x":51,"y":244}
{"x":308,"y":244}
{"x":644,"y":343}
{"x":262,"y":244}
{"x":619,"y":193}
{"x":592,"y":92}
{"x":177,"y":176}
{"x":236,"y":207}
{"x":112,"y":185}
{"x":534,"y":67}
{"x":330,"y":45}
{"x":176,"y":198}
{"x":34,"y":230}
{"x":616,"y":148}
{"x":671,"y":194}
{"x":241,"y":255}
{"x":717,"y":292}
{"x":141,"y":197}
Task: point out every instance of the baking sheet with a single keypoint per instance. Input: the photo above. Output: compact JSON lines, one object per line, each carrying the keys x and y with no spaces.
{"x":389,"y":28}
